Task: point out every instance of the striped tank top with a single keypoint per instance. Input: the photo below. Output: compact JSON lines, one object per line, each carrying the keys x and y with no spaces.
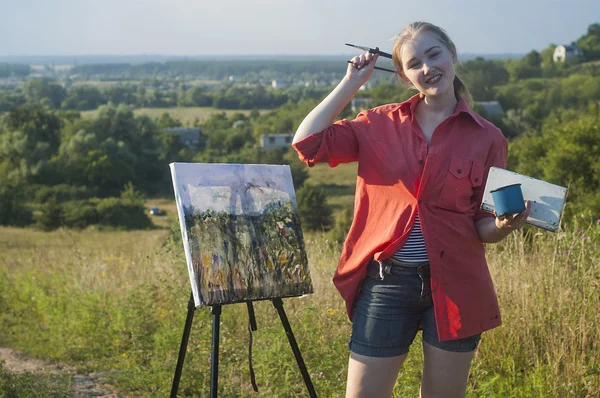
{"x":413,"y":250}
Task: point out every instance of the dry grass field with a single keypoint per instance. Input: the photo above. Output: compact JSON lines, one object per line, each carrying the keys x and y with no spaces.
{"x":116,"y":301}
{"x":186,"y":115}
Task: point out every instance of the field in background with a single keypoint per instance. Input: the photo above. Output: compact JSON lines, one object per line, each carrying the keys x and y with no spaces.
{"x":117,"y":301}
{"x":339,"y":184}
{"x":186,"y":115}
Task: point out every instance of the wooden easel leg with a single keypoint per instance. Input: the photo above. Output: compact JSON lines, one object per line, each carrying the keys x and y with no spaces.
{"x":290,"y":335}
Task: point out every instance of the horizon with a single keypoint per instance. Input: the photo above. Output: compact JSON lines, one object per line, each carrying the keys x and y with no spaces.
{"x":212,"y":56}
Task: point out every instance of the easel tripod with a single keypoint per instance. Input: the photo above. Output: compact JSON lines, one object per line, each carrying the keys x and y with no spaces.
{"x":214,"y":369}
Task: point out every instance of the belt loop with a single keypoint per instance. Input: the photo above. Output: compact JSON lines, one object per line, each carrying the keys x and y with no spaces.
{"x":380,"y":270}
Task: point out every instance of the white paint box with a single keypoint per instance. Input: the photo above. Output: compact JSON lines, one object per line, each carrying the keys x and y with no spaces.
{"x":547,"y":200}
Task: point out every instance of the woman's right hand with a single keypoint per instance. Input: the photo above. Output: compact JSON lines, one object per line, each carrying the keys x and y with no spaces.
{"x":361,"y":67}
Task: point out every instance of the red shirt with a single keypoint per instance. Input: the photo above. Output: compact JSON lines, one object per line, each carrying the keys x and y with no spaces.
{"x":399,"y":174}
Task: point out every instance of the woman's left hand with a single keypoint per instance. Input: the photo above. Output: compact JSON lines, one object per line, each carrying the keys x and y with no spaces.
{"x":508,"y":222}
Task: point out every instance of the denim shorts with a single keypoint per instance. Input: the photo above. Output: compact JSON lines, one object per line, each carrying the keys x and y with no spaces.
{"x":388,"y":313}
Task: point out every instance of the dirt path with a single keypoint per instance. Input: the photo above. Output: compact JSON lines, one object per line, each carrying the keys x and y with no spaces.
{"x":82,"y":386}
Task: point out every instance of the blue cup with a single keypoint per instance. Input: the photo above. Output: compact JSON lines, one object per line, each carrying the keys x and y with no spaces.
{"x":508,"y":200}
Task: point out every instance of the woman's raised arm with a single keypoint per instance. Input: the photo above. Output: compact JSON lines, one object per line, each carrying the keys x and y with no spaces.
{"x":324,"y":114}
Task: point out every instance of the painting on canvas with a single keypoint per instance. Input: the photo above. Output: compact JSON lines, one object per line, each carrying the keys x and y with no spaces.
{"x":241,"y":232}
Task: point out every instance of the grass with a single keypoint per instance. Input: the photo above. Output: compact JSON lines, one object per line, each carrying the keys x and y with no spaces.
{"x":186,"y":115}
{"x":34,"y":385}
{"x":118,"y":301}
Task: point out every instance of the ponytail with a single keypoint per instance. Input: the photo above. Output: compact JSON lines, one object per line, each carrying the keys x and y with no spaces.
{"x":461,"y":91}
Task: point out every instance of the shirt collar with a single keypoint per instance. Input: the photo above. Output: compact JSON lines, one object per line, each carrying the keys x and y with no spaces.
{"x":408,"y":107}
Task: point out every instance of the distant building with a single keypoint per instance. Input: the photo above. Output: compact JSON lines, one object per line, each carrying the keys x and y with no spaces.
{"x":491,"y":108}
{"x":278,"y":84}
{"x":189,"y":137}
{"x":62,"y":68}
{"x":361,"y":103}
{"x":272,"y":141}
{"x":565,"y":53}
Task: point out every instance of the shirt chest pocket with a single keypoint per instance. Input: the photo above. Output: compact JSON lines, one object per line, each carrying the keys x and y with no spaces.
{"x":462,"y":177}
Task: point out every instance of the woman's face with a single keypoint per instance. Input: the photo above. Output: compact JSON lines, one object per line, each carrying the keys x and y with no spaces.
{"x":428,"y":64}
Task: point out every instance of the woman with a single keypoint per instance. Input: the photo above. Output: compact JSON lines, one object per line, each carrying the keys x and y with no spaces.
{"x":414,"y":256}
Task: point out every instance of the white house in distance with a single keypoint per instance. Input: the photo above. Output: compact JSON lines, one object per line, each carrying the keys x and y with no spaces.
{"x":272,"y":141}
{"x":564,"y":53}
{"x":278,"y":84}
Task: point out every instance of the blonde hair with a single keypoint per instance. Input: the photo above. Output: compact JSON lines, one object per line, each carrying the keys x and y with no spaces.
{"x":413,"y":30}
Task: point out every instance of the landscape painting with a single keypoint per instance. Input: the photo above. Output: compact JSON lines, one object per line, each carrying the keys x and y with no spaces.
{"x":241,"y":232}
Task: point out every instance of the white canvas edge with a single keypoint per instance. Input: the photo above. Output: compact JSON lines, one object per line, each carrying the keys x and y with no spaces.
{"x":186,"y":247}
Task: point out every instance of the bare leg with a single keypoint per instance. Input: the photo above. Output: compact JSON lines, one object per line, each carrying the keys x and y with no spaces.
{"x":372,"y":377}
{"x":445,"y":373}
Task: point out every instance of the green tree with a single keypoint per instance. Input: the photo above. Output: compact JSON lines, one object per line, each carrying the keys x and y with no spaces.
{"x":312,"y":208}
{"x":590,"y":42}
{"x":12,"y":208}
{"x":166,"y":121}
{"x":565,"y":153}
{"x":51,"y":216}
{"x":83,"y":98}
{"x":481,"y":76}
{"x":36,"y":90}
{"x":520,"y":69}
{"x":31,"y":137}
{"x":532,"y":58}
{"x":112,"y":150}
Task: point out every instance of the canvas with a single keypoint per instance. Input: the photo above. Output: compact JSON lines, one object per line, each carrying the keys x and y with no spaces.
{"x":547,"y":200}
{"x":241,"y":232}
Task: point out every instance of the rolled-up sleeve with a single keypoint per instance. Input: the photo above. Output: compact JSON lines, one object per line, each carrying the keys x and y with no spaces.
{"x":336,"y":144}
{"x":496,"y":157}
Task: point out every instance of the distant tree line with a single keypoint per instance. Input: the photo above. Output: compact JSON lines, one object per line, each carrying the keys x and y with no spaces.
{"x":16,"y":70}
{"x":213,"y":69}
{"x":150,"y":94}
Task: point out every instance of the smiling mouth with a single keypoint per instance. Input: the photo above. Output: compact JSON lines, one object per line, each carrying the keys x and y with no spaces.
{"x":433,"y":80}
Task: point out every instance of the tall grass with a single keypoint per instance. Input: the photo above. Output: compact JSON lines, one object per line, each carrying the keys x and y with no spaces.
{"x":118,"y":300}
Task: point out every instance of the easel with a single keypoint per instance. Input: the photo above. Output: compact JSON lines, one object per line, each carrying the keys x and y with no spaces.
{"x":214,"y":367}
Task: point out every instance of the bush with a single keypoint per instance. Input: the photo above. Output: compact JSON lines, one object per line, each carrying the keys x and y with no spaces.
{"x":79,"y":214}
{"x":342,"y":225}
{"x":51,"y":216}
{"x":12,"y":211}
{"x":312,"y":208}
{"x":117,"y":212}
{"x":14,"y":214}
{"x":110,"y":212}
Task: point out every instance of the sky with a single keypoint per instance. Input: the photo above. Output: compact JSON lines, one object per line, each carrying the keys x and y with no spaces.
{"x":281,"y":27}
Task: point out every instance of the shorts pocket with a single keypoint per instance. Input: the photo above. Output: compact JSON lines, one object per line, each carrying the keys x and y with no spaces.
{"x":458,"y":185}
